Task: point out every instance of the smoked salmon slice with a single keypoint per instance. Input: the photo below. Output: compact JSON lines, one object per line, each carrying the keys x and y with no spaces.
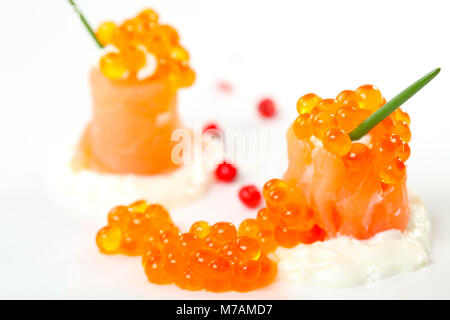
{"x":130,"y":131}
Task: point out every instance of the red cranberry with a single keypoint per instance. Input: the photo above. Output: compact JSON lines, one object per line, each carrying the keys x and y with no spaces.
{"x":212,"y":129}
{"x":250,"y":196}
{"x":267,"y":108}
{"x":226,"y":172}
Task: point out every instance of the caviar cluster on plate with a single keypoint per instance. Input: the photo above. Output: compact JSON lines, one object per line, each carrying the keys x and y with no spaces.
{"x":331,"y":121}
{"x":137,"y":40}
{"x":213,"y":257}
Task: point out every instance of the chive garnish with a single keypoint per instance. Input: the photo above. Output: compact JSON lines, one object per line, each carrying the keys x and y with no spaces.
{"x":85,"y":22}
{"x":390,"y":106}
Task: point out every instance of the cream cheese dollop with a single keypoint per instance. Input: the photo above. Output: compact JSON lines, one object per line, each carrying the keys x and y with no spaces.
{"x":346,"y":262}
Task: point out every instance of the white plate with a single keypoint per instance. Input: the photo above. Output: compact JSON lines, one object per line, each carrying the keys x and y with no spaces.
{"x":262,"y":48}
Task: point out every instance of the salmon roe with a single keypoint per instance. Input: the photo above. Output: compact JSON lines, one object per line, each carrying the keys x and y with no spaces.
{"x":214,"y":257}
{"x":369,"y":97}
{"x":337,"y":141}
{"x":332,"y":120}
{"x":306,"y":103}
{"x":136,"y":41}
{"x":302,"y":126}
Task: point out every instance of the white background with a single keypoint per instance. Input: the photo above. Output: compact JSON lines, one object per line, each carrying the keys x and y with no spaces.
{"x":283,"y":49}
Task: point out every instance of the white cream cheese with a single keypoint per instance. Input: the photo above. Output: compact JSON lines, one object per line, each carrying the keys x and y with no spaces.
{"x":95,"y":193}
{"x":345,"y":262}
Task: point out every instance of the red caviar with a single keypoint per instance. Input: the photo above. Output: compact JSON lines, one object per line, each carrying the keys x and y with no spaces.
{"x":226,"y":172}
{"x":216,"y":258}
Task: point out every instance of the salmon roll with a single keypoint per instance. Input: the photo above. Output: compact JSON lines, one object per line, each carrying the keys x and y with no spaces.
{"x":354,"y":217}
{"x":134,"y":93}
{"x":134,"y":145}
{"x":355,"y":188}
{"x":131,"y":128}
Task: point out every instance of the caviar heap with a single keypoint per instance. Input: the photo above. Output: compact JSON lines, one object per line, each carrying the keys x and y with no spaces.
{"x":356,"y":188}
{"x":212,"y":257}
{"x":144,"y":41}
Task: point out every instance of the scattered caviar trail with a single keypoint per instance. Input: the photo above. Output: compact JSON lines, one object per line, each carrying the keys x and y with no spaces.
{"x":218,"y":257}
{"x":136,"y":39}
{"x":212,"y":257}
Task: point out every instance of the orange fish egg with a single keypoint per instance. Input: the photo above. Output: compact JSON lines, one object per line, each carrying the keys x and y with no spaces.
{"x":287,"y":237}
{"x":119,"y":217}
{"x":321,"y":122}
{"x":148,"y":15}
{"x":175,"y":263}
{"x":268,"y":272}
{"x":404,"y":152}
{"x":302,"y":126}
{"x":264,"y":220}
{"x":382,"y":128}
{"x":200,"y":229}
{"x":385,"y":151}
{"x":275,"y":191}
{"x":327,"y":105}
{"x":201,"y":260}
{"x":267,"y":241}
{"x":132,"y":244}
{"x":138,"y":206}
{"x":183,"y":75}
{"x":402,"y":129}
{"x":159,"y":217}
{"x":400,"y":115}
{"x":337,"y":141}
{"x":247,"y":248}
{"x":190,"y":280}
{"x":306,"y":103}
{"x":156,"y":272}
{"x":249,"y":228}
{"x":106,"y":32}
{"x":223,"y":232}
{"x":347,"y":118}
{"x":179,"y":53}
{"x":169,"y":238}
{"x":348,"y":98}
{"x":112,"y":66}
{"x":138,"y":224}
{"x":169,"y":34}
{"x":189,"y":242}
{"x":246,"y":273}
{"x":150,"y":256}
{"x":133,"y":58}
{"x":109,"y":239}
{"x":218,"y":275}
{"x":394,"y":172}
{"x":369,"y":97}
{"x":358,"y":158}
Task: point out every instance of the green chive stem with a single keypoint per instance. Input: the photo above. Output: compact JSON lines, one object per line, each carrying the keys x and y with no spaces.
{"x":85,"y":22}
{"x":390,"y":106}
